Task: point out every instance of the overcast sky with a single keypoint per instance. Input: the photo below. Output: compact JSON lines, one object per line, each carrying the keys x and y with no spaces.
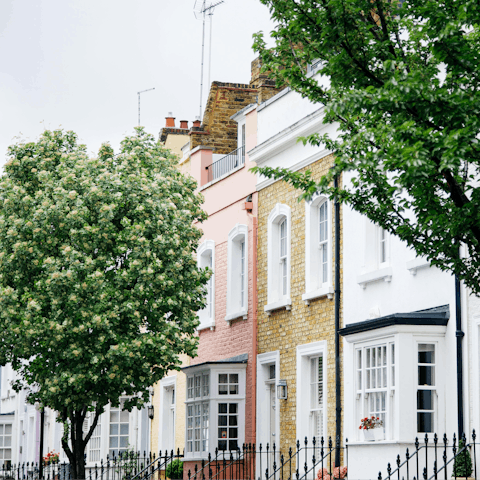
{"x":78,"y":64}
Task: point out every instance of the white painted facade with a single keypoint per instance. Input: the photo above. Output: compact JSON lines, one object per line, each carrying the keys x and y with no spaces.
{"x":116,"y":430}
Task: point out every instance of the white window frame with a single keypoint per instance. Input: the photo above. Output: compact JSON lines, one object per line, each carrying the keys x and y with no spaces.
{"x":207,"y":315}
{"x":130,"y":428}
{"x":315,"y":287}
{"x":4,"y":448}
{"x":375,"y":267}
{"x":276,"y":298}
{"x":305,"y":354}
{"x":433,"y":388}
{"x":237,"y":285}
{"x":213,"y":400}
{"x":164,"y":427}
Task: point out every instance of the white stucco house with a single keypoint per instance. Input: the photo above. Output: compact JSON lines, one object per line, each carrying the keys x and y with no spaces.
{"x":116,"y":431}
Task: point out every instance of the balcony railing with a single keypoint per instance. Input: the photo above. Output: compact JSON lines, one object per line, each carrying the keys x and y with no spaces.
{"x":226,"y":164}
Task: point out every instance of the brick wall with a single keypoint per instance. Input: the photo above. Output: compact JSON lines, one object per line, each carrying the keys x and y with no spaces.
{"x":285,"y":330}
{"x":228,"y":340}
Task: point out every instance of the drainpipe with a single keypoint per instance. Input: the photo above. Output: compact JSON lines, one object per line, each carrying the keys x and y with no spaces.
{"x":338,"y":403}
{"x":459,"y":334}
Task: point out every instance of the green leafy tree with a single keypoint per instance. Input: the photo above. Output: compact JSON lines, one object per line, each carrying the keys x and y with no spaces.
{"x":462,"y":465}
{"x":99,"y":287}
{"x":402,"y":81}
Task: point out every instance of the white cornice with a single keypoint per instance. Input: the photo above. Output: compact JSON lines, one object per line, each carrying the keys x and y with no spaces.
{"x":295,"y":167}
{"x":287,"y":137}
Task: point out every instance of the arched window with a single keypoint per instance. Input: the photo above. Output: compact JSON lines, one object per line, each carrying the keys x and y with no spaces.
{"x":206,"y":258}
{"x":279,"y":258}
{"x":237,"y":273}
{"x":318,"y":249}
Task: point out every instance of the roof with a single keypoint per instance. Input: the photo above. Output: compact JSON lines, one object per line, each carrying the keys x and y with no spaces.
{"x":236,"y":360}
{"x":430,"y":316}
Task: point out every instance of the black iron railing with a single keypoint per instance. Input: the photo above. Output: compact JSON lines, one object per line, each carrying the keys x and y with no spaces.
{"x":303,"y":462}
{"x":433,"y":458}
{"x":226,"y":164}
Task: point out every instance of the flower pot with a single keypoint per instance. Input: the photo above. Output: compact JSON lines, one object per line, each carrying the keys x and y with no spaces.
{"x":374,"y":434}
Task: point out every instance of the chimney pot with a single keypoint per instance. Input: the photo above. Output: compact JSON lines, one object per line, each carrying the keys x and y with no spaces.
{"x":170,"y":121}
{"x":183,"y":123}
{"x":197,"y":122}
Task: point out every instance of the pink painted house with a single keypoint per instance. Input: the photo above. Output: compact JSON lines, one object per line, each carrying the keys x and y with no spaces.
{"x":220,"y":397}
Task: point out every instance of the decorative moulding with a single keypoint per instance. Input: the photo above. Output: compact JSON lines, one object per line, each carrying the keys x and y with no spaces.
{"x":322,"y":292}
{"x":285,"y":303}
{"x":233,"y":316}
{"x":384,"y":274}
{"x":416,"y":264}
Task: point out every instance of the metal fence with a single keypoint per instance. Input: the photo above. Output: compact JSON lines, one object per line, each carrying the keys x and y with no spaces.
{"x":226,"y":164}
{"x":123,"y":467}
{"x":433,"y":458}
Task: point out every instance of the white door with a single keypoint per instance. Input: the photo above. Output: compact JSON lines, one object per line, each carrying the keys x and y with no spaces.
{"x":273,"y":424}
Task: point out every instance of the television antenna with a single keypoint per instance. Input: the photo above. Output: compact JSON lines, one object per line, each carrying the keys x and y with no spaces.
{"x":201,"y":9}
{"x":138,"y":93}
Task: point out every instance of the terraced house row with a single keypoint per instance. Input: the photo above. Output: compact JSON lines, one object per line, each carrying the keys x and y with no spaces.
{"x":316,"y":318}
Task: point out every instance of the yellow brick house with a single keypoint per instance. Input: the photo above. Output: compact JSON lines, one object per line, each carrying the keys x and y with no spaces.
{"x":296,"y":296}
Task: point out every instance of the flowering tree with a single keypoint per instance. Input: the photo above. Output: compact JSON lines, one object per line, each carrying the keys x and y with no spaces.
{"x":99,"y":287}
{"x":401,"y":80}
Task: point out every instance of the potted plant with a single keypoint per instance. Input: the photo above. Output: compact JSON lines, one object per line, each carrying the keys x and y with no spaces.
{"x":372,"y":428}
{"x":174,"y":470}
{"x":462,"y":465}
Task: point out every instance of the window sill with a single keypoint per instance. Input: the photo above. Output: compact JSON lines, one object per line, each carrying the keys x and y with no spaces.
{"x":321,"y":292}
{"x":416,"y":264}
{"x":362,"y":443}
{"x":284,"y":303}
{"x":208,"y":324}
{"x":233,"y":316}
{"x":384,"y":274}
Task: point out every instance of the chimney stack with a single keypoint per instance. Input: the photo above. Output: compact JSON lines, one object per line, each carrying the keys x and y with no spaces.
{"x":170,"y":121}
{"x":184,"y":124}
{"x":197,"y":122}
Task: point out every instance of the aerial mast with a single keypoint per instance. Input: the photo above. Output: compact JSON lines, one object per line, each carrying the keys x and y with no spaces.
{"x":203,"y":10}
{"x":138,"y":93}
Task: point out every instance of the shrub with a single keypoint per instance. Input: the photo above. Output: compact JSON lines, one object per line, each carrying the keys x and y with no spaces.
{"x":462,"y":465}
{"x":174,"y":469}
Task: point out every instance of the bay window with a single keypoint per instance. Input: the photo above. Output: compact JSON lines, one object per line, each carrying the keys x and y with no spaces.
{"x":215,"y":408}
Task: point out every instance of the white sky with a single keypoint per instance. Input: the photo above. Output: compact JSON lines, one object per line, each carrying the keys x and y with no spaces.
{"x":78,"y":64}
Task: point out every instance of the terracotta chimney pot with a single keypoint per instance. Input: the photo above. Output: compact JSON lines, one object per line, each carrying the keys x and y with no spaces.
{"x":197,"y":122}
{"x":170,"y":120}
{"x":183,"y":123}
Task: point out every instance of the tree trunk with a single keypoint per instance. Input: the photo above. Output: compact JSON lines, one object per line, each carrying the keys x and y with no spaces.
{"x":76,"y":450}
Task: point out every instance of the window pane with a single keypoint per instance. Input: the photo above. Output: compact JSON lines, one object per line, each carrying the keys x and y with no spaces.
{"x":426,"y":375}
{"x":234,"y":378}
{"x":113,"y":442}
{"x":222,"y":378}
{"x":123,"y":442}
{"x":424,"y":400}
{"x":124,"y":429}
{"x":233,"y":408}
{"x":8,"y":429}
{"x":233,"y":445}
{"x":114,"y":429}
{"x":426,"y":353}
{"x":232,"y":421}
{"x":114,"y":416}
{"x":222,"y":444}
{"x":222,"y":408}
{"x":223,"y":389}
{"x":425,"y":422}
{"x":233,"y":389}
{"x":222,"y":420}
{"x":124,"y":416}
